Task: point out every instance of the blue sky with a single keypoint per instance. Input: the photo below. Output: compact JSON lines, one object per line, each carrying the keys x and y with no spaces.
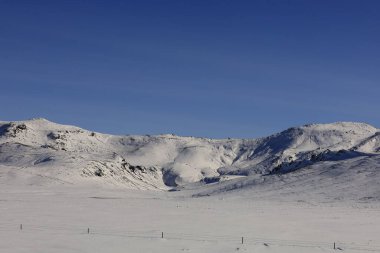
{"x":200,"y":68}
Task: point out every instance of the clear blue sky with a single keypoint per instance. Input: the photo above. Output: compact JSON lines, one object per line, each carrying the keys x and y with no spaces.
{"x":202,"y":68}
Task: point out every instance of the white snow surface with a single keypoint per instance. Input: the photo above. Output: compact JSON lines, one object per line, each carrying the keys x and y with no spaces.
{"x":300,"y":190}
{"x":68,"y":154}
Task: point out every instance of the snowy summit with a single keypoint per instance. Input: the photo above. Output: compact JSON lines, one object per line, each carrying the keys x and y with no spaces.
{"x":44,"y":152}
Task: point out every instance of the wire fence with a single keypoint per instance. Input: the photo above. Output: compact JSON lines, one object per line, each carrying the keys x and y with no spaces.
{"x":156,"y":234}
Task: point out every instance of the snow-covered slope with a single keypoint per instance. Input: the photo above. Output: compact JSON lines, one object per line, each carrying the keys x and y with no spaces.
{"x":45,"y":152}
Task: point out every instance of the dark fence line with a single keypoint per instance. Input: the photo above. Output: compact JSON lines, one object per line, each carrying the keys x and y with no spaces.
{"x":156,"y":234}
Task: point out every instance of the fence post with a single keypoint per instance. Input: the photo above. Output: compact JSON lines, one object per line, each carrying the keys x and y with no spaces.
{"x":334,"y":245}
{"x":242,"y":240}
{"x":88,"y":230}
{"x":20,"y":226}
{"x":162,"y":234}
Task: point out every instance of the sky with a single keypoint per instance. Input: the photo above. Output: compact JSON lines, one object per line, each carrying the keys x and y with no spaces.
{"x":218,"y":69}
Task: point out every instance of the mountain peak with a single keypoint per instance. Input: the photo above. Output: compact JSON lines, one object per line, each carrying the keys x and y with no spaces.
{"x":168,"y":159}
{"x":340,"y":124}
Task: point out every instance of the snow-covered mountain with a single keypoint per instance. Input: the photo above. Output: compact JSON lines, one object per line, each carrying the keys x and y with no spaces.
{"x":43,"y":152}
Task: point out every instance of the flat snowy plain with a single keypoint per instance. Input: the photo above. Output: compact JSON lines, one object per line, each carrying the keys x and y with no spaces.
{"x":57,"y":218}
{"x":65,"y":189}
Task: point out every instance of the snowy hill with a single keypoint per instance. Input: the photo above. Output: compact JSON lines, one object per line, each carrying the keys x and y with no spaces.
{"x":42,"y":152}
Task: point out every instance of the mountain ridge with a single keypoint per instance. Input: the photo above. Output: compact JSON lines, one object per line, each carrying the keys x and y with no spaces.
{"x":164,"y":162}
